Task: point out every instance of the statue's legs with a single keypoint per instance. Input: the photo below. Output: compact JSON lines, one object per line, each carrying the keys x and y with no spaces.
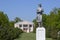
{"x":40,"y":24}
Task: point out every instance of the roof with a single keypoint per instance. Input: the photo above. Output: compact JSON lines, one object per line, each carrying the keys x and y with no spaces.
{"x":24,"y":22}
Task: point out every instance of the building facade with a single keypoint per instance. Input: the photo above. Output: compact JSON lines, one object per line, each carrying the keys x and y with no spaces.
{"x":25,"y":26}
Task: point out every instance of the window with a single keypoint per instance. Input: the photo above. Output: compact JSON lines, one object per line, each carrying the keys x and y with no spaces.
{"x":30,"y":25}
{"x":25,"y":25}
{"x":20,"y":25}
{"x":24,"y":28}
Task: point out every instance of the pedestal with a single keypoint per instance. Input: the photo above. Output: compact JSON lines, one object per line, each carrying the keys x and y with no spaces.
{"x":40,"y":33}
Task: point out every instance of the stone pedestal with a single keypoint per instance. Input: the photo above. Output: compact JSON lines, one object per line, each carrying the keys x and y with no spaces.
{"x":40,"y":33}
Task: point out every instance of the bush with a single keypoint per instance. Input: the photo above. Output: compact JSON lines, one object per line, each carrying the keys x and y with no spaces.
{"x":9,"y":33}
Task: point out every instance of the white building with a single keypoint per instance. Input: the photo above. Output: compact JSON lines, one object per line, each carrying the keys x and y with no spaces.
{"x":25,"y":26}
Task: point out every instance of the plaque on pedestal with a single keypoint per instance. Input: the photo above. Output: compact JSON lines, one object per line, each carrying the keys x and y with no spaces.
{"x":40,"y":33}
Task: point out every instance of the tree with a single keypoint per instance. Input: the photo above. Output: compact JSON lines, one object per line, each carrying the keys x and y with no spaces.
{"x":17,"y":19}
{"x":35,"y":25}
{"x":6,"y":31}
{"x":11,"y":23}
{"x":4,"y":21}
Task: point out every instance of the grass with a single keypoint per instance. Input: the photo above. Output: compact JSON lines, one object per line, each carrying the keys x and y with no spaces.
{"x":29,"y":36}
{"x":48,"y":39}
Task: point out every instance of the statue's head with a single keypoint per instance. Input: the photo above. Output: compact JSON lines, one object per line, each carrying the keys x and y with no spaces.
{"x":40,"y":5}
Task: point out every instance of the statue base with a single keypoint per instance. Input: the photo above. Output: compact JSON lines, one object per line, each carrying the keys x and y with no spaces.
{"x":40,"y":33}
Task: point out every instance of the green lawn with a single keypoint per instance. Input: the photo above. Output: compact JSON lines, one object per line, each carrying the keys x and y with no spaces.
{"x":29,"y":36}
{"x":48,"y":39}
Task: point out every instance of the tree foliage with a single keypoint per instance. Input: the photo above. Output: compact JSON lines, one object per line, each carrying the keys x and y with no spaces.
{"x":35,"y":25}
{"x":6,"y":31}
{"x":17,"y":19}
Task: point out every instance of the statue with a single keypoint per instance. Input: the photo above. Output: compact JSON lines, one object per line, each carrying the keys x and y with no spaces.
{"x":39,"y":15}
{"x":40,"y":30}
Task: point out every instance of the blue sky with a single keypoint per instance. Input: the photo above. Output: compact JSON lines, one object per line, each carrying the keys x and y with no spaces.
{"x":26,"y":9}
